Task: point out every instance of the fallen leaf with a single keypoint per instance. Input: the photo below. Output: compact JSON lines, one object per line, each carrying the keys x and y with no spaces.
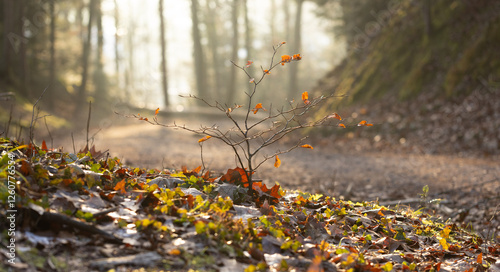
{"x":364,"y":123}
{"x":44,"y":146}
{"x":120,"y":186}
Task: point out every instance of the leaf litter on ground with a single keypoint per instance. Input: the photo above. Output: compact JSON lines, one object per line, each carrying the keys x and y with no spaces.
{"x":79,"y":212}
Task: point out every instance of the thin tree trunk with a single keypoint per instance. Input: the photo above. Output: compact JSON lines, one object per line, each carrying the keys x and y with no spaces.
{"x":81,"y":92}
{"x":296,"y":45}
{"x":199,"y":61}
{"x":426,"y":11}
{"x":163,"y":57}
{"x":213,"y":45}
{"x":100,"y":80}
{"x":231,"y":87}
{"x":248,"y":36}
{"x":117,"y":41}
{"x":52,"y":68}
{"x":272,"y":24}
{"x":14,"y":44}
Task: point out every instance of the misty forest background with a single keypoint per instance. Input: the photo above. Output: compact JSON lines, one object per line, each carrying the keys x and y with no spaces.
{"x":420,"y":69}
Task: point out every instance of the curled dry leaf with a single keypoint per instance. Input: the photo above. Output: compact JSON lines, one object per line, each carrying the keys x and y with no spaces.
{"x":334,"y":115}
{"x":305,"y":98}
{"x":204,"y":139}
{"x":257,"y":108}
{"x":277,"y":162}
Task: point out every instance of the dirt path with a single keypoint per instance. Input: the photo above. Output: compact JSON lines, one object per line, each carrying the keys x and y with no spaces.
{"x":372,"y":175}
{"x":471,"y":186}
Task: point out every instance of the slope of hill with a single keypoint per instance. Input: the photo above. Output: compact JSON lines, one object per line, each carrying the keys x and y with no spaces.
{"x":437,"y":90}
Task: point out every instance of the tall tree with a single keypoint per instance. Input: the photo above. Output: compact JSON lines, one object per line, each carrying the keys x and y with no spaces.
{"x":212,"y":22}
{"x":99,"y":79}
{"x":13,"y":64}
{"x":199,"y":58}
{"x":296,"y":46}
{"x":231,"y":86}
{"x":52,"y":65}
{"x":81,"y":91}
{"x":117,"y":41}
{"x":163,"y":57}
{"x":248,"y":35}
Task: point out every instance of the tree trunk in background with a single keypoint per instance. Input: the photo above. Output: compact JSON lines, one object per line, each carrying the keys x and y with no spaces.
{"x":100,"y":80}
{"x":164,"y":78}
{"x":426,"y":11}
{"x":248,"y":36}
{"x":130,"y":71}
{"x":272,"y":23}
{"x":296,"y":46}
{"x":81,"y":92}
{"x":199,"y":61}
{"x":52,"y":66}
{"x":231,"y":86}
{"x":212,"y":22}
{"x":117,"y":41}
{"x":13,"y":64}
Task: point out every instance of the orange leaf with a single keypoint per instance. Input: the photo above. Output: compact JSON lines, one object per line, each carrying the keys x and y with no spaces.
{"x":120,"y":186}
{"x":267,"y":72}
{"x":480,"y":258}
{"x":297,"y":57}
{"x":307,"y":146}
{"x":204,"y":139}
{"x":249,"y":63}
{"x":285,"y":58}
{"x":257,"y":108}
{"x":174,"y":252}
{"x":197,"y":169}
{"x":341,"y":125}
{"x":277,"y":162}
{"x":335,"y":115}
{"x":305,"y":98}
{"x":157,"y":110}
{"x":236,"y":176}
{"x":44,"y":146}
{"x":364,"y":123}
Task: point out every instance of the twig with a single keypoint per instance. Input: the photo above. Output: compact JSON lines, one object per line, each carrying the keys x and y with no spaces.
{"x":8,"y":123}
{"x":73,"y":141}
{"x":66,"y":220}
{"x":50,"y":135}
{"x":88,"y":124}
{"x":33,"y":120}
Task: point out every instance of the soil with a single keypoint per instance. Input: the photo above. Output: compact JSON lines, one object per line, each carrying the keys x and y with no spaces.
{"x":467,"y":188}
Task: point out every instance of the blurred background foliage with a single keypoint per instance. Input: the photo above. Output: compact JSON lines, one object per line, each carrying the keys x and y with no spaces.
{"x":143,"y":54}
